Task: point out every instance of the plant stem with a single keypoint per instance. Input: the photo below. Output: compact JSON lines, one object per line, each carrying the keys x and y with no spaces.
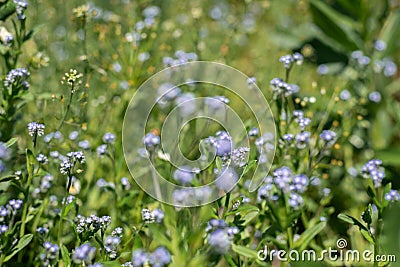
{"x":60,"y":223}
{"x":227,"y":199}
{"x":377,"y":241}
{"x":68,"y":107}
{"x":156,"y":184}
{"x":26,"y":204}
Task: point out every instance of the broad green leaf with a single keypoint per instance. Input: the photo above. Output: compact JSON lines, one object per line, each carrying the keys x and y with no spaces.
{"x":137,"y":243}
{"x":338,"y":27}
{"x":353,"y":7}
{"x":248,"y":167}
{"x":390,"y":32}
{"x":243,"y":209}
{"x":32,"y":32}
{"x":7,"y":178}
{"x":110,"y":264}
{"x":65,"y":256}
{"x":230,"y":261}
{"x":249,"y":217}
{"x":367,"y":215}
{"x":244,"y":251}
{"x":30,"y":162}
{"x":11,"y":142}
{"x":371,"y":192}
{"x":218,"y":162}
{"x":293,"y":37}
{"x":381,"y":130}
{"x":69,"y":207}
{"x":7,"y":10}
{"x":22,"y":243}
{"x":351,"y":220}
{"x":390,"y":156}
{"x":367,"y":236}
{"x":307,"y":236}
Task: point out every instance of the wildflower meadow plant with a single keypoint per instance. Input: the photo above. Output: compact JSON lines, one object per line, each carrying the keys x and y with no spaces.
{"x":198,"y":133}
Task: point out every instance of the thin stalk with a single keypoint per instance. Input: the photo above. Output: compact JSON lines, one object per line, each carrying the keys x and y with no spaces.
{"x":156,"y":184}
{"x":226,"y":206}
{"x":60,"y":223}
{"x":26,"y":204}
{"x":67,"y":109}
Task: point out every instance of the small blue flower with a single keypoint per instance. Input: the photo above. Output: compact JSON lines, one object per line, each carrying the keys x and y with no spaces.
{"x":109,"y":138}
{"x":42,"y":159}
{"x":328,"y":136}
{"x":101,"y":150}
{"x":184,"y":175}
{"x":3,"y":229}
{"x":220,"y":241}
{"x":4,"y":151}
{"x":287,"y":61}
{"x":35,"y":128}
{"x":392,"y":196}
{"x":140,"y":258}
{"x":302,"y":139}
{"x":160,"y":257}
{"x":345,"y":95}
{"x":73,"y":135}
{"x":375,"y":97}
{"x":295,"y":200}
{"x":226,"y":180}
{"x":84,"y":254}
{"x":151,"y":140}
{"x":373,"y":169}
{"x":158,"y":215}
{"x":380,"y":45}
{"x":253,"y":132}
{"x":323,"y":69}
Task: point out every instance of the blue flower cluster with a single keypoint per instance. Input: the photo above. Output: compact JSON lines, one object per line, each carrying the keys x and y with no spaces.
{"x":220,"y":235}
{"x":158,"y":258}
{"x":373,"y":169}
{"x":284,"y":182}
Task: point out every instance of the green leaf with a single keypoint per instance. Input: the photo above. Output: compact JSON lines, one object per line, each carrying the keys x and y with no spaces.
{"x":11,"y":142}
{"x":243,"y":209}
{"x":32,"y":32}
{"x":293,"y":37}
{"x":230,"y":261}
{"x":353,"y":7}
{"x":248,"y":167}
{"x":22,"y":243}
{"x":218,"y":162}
{"x":65,"y":256}
{"x":159,"y":235}
{"x":249,"y":217}
{"x":69,"y":207}
{"x":111,"y":264}
{"x":390,"y":32}
{"x":307,"y":236}
{"x":367,"y":215}
{"x":244,"y":251}
{"x":338,"y":27}
{"x":7,"y":178}
{"x":30,"y":162}
{"x":7,"y":10}
{"x":371,"y":192}
{"x":352,"y":220}
{"x":381,"y":131}
{"x":390,"y":156}
{"x":367,"y":236}
{"x":137,"y":242}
